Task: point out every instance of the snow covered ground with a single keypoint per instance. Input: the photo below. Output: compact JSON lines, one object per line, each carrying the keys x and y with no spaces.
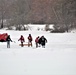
{"x":58,"y":58}
{"x":36,"y":27}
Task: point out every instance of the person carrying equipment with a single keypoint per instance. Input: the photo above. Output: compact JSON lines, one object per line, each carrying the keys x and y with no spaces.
{"x":22,"y":40}
{"x":30,"y":40}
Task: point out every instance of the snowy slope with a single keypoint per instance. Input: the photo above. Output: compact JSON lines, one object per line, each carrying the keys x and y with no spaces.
{"x":36,"y":27}
{"x":58,"y":58}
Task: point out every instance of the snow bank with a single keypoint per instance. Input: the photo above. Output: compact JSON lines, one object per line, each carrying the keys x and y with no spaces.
{"x":35,"y":27}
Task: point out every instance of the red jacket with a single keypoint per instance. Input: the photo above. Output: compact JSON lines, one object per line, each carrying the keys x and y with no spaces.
{"x":37,"y":39}
{"x":30,"y":38}
{"x":22,"y":39}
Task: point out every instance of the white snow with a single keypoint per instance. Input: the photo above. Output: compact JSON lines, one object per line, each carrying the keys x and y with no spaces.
{"x":57,"y":58}
{"x":51,"y":26}
{"x":73,"y":31}
{"x":36,"y":27}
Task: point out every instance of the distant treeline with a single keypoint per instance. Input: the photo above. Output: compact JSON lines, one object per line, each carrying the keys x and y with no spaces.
{"x":61,"y":13}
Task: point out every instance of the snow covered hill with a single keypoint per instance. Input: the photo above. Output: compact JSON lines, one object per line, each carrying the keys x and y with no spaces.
{"x":32,"y":27}
{"x":36,"y":27}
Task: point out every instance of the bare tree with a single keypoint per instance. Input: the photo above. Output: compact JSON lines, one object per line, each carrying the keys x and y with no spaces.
{"x":2,"y":11}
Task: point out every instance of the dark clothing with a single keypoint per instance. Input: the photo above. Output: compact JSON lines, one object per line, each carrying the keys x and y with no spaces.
{"x":42,"y":41}
{"x":29,"y":40}
{"x":8,"y":41}
{"x":39,"y":41}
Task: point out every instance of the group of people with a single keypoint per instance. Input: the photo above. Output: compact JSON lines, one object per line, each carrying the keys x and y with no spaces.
{"x":23,"y":40}
{"x":39,"y":41}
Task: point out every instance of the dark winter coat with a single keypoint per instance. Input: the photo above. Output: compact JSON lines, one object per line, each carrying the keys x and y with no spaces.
{"x":8,"y":39}
{"x":42,"y":40}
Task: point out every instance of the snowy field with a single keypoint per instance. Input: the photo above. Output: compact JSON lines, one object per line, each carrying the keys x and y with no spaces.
{"x":57,"y":58}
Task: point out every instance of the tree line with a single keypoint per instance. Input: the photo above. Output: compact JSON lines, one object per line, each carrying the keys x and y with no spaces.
{"x":61,"y":13}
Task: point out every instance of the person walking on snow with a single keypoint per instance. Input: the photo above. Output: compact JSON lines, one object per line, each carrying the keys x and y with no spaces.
{"x":22,"y":40}
{"x":37,"y":41}
{"x":8,"y":39}
{"x":30,"y":40}
{"x":43,"y":41}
